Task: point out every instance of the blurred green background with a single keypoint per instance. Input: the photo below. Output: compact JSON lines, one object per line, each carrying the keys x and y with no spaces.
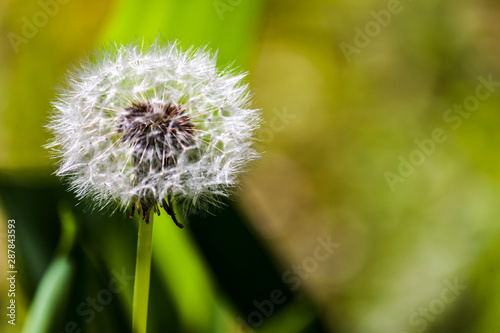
{"x":374,"y":208}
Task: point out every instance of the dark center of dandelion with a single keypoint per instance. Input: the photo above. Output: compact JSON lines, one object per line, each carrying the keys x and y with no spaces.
{"x":158,"y":135}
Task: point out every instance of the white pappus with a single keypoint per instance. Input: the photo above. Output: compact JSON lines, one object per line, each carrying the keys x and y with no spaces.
{"x":144,"y":126}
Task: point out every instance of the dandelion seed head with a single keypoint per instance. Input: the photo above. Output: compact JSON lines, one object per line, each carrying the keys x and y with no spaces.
{"x":143,"y":125}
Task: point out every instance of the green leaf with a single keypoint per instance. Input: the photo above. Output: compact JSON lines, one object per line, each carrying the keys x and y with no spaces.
{"x":50,"y":296}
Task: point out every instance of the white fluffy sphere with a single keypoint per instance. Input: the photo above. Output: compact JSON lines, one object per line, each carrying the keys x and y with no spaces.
{"x":143,"y":125}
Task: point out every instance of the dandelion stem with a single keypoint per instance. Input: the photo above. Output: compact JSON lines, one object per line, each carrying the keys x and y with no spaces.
{"x":142,"y":276}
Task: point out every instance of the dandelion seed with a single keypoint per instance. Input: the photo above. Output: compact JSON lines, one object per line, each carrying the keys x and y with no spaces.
{"x":144,"y":126}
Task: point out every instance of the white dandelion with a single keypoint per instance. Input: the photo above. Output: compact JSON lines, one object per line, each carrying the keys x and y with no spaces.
{"x":144,"y":126}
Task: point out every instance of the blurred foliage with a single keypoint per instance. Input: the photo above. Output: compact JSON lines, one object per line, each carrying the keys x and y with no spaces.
{"x":336,"y":124}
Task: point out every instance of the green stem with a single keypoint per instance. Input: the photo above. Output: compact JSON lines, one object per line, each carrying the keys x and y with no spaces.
{"x":142,"y":274}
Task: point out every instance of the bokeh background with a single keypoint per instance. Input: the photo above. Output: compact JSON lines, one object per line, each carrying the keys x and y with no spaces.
{"x":374,"y":209}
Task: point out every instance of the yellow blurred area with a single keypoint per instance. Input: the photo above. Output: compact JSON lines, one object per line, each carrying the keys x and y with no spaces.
{"x":341,"y":107}
{"x":34,"y":53}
